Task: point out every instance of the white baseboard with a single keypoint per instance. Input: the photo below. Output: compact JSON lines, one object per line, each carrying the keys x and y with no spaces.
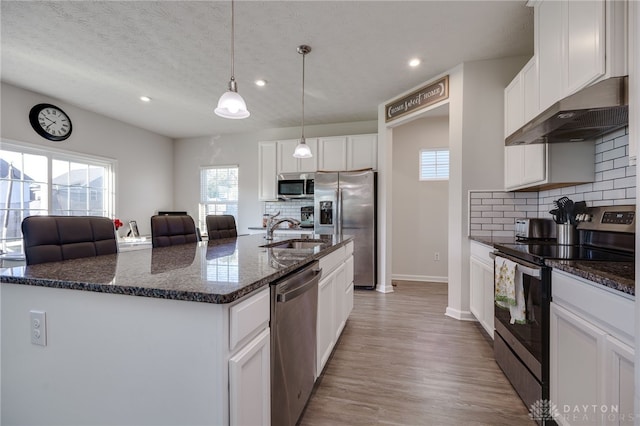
{"x":460,"y":315}
{"x":420,"y":278}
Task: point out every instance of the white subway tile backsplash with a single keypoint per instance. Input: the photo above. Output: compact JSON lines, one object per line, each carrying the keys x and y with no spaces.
{"x":614,"y":174}
{"x":591,"y":196}
{"x":526,"y":195}
{"x":603,"y":186}
{"x":604,"y":146}
{"x":614,"y":153}
{"x":614,"y":184}
{"x":621,"y":141}
{"x":491,"y":201}
{"x":492,"y":214}
{"x":604,"y":165}
{"x":621,"y":162}
{"x":626,"y":182}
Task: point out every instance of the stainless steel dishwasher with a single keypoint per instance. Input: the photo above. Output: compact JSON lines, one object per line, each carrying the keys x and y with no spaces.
{"x":294,"y":307}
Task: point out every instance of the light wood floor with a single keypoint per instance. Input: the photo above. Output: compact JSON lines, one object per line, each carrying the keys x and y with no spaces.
{"x":401,"y":361}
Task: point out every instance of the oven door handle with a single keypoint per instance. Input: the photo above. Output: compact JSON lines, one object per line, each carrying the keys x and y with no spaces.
{"x":526,"y":268}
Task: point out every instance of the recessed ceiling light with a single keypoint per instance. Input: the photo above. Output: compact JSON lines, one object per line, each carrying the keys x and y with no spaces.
{"x":414,"y":62}
{"x":145,"y":99}
{"x":261,"y":83}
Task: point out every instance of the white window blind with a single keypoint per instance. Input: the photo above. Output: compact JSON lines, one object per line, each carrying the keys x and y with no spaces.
{"x":218,"y":192}
{"x":434,"y":164}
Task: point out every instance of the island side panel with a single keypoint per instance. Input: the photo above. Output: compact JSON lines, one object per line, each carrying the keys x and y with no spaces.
{"x":112,"y":359}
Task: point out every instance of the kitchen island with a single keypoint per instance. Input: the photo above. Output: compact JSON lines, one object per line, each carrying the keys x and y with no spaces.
{"x":191,"y":348}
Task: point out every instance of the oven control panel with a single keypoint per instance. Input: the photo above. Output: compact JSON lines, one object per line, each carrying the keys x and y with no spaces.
{"x":610,"y":218}
{"x":621,"y":218}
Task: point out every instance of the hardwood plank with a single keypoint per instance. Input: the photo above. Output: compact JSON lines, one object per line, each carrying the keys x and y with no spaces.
{"x":401,"y":361}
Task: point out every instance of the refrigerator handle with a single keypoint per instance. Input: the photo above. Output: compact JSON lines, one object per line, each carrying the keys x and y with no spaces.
{"x":339,"y":211}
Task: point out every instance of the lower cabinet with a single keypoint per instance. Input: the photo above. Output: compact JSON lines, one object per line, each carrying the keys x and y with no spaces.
{"x":250,"y":361}
{"x":481,"y":285}
{"x":335,"y":301}
{"x":249,"y":383}
{"x":591,"y":354}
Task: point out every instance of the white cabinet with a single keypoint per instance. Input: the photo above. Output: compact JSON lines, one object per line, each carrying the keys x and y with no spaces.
{"x":524,"y":165}
{"x":267,"y":179}
{"x":591,"y":352}
{"x":536,"y":166}
{"x":578,"y":43}
{"x":362,"y":152}
{"x":335,"y":301}
{"x":481,"y":285}
{"x":332,"y":153}
{"x":576,"y":361}
{"x":585,"y":32}
{"x":249,"y":364}
{"x":513,"y":106}
{"x":354,"y":152}
{"x":250,"y":383}
{"x":326,"y":327}
{"x":549,"y":27}
{"x":287,"y":163}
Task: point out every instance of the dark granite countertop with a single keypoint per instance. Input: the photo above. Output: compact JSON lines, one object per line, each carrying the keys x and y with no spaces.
{"x":619,"y":276}
{"x":219,"y":271}
{"x":615,"y":275}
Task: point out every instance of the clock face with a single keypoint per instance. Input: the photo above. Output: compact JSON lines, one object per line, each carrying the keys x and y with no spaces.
{"x":50,"y":122}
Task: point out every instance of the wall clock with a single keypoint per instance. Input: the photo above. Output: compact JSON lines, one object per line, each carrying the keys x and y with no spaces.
{"x":50,"y":122}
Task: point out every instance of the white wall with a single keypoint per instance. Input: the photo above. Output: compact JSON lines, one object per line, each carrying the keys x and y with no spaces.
{"x":144,"y":177}
{"x":476,"y":140}
{"x":476,"y":148}
{"x":241,"y":149}
{"x":420,"y":208}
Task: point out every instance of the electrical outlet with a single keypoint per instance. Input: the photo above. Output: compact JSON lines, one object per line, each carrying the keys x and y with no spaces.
{"x":38,"y":327}
{"x":436,"y":256}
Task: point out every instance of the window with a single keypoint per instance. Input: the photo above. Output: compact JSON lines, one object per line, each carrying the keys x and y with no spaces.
{"x":218,"y":192}
{"x":38,"y":182}
{"x":434,"y":164}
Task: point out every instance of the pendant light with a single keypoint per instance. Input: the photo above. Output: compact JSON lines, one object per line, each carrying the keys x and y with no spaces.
{"x":231,"y":104}
{"x":303,"y":150}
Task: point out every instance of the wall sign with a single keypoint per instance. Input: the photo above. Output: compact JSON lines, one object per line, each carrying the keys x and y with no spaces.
{"x":421,"y":98}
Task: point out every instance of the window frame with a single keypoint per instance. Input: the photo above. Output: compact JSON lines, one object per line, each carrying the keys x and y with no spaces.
{"x":421,"y":165}
{"x":202,"y":204}
{"x":51,"y":154}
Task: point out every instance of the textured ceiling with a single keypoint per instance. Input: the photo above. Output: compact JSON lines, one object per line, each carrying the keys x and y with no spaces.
{"x":103,"y":55}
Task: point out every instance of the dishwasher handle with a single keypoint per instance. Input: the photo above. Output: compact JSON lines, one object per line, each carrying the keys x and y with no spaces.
{"x":298,"y":283}
{"x":291,"y":294}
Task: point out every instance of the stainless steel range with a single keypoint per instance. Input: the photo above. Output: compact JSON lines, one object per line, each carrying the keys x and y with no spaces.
{"x":521,"y":348}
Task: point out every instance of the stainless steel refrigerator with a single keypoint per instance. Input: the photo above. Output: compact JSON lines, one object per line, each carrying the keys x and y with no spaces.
{"x":345,"y":203}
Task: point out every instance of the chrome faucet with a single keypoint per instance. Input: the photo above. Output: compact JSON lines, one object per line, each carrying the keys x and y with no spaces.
{"x":273,"y":225}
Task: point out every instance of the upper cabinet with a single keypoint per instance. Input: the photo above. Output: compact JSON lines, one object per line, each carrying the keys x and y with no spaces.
{"x":578,"y":43}
{"x":287,"y":163}
{"x":336,"y":153}
{"x":333,"y":153}
{"x":354,"y":152}
{"x":539,"y":166}
{"x":267,"y":190}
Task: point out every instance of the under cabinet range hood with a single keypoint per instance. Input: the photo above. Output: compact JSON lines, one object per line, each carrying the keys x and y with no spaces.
{"x":591,"y":112}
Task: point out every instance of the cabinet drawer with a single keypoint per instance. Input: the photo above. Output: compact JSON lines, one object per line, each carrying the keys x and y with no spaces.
{"x":481,"y":252}
{"x":332,"y":260}
{"x":612,"y":312}
{"x":247,"y":318}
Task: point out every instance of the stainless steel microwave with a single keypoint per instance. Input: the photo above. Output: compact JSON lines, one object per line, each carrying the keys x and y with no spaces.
{"x":295,"y":185}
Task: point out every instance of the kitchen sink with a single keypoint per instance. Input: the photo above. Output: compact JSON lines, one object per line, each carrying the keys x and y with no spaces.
{"x":300,"y":244}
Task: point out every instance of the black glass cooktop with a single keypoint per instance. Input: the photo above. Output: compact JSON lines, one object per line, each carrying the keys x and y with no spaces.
{"x":537,"y":252}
